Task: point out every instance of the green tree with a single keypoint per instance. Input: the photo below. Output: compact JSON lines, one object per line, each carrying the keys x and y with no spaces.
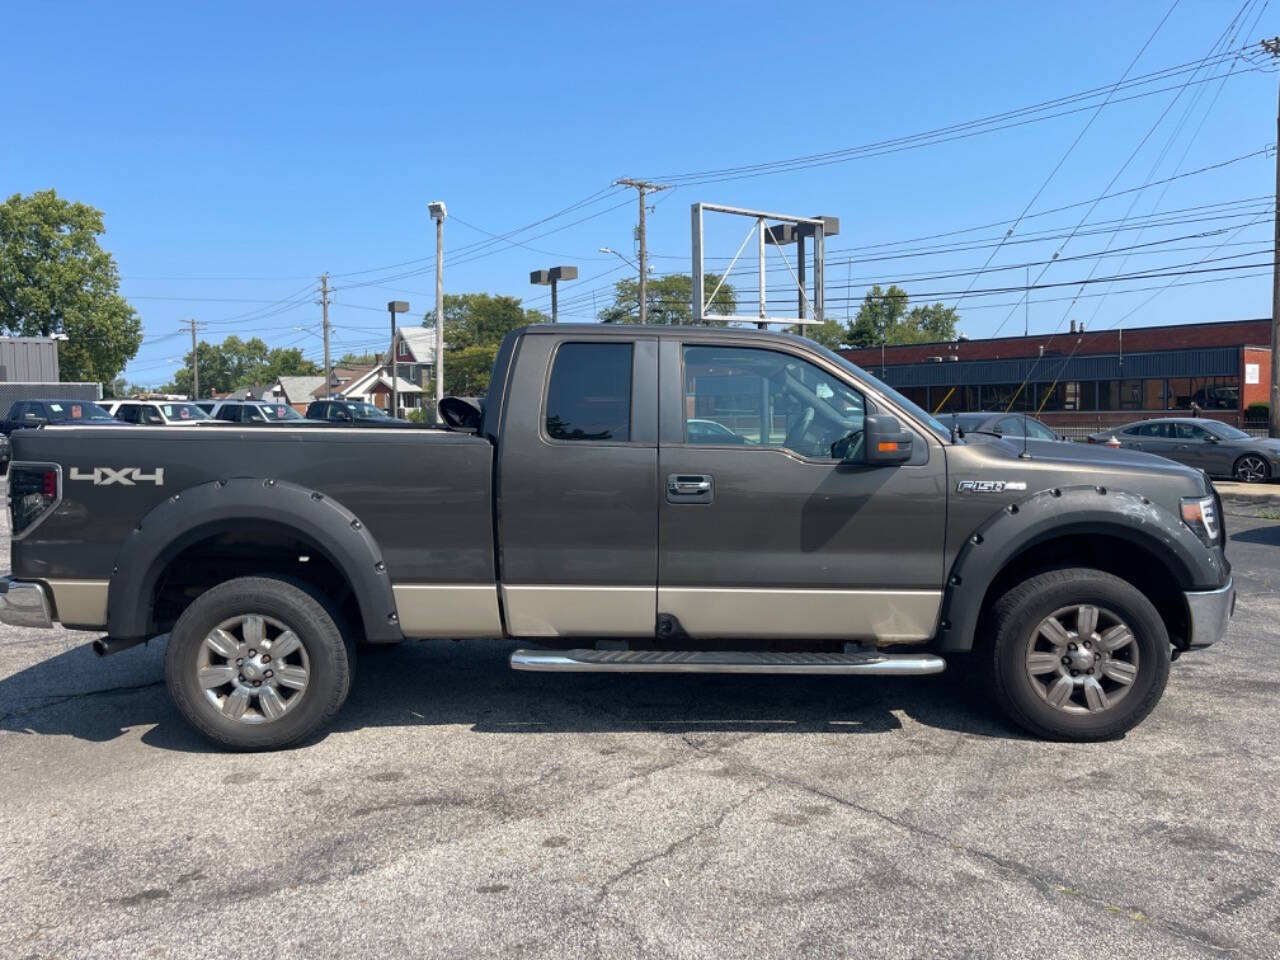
{"x":358,"y":359}
{"x":668,"y":299}
{"x":478,"y":319}
{"x":474,"y":325}
{"x":884,"y":317}
{"x":237,"y":363}
{"x":830,"y":333}
{"x":55,"y":278}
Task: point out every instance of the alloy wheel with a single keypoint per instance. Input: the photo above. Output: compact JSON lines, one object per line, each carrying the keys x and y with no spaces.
{"x":253,"y":669}
{"x":1251,"y":469}
{"x":1082,"y":659}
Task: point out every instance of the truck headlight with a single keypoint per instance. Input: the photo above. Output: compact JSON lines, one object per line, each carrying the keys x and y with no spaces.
{"x":1201,"y":515}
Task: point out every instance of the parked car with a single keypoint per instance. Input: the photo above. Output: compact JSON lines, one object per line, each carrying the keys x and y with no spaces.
{"x":851,"y":535}
{"x":4,"y":454}
{"x":711,"y":431}
{"x":1003,"y":425}
{"x":38,"y":413}
{"x":352,"y":412}
{"x":253,"y":411}
{"x":1218,"y":449}
{"x":157,"y":413}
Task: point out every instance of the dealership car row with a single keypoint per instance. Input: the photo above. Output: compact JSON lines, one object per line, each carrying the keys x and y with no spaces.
{"x":1219,"y":449}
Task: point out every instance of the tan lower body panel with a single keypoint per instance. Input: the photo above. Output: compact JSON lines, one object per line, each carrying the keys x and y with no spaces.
{"x":448,"y":609}
{"x":82,"y":603}
{"x":556,"y":611}
{"x":885,"y":616}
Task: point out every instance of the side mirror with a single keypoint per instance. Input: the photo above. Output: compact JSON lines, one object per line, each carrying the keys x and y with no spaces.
{"x":884,"y":440}
{"x":1210,"y":438}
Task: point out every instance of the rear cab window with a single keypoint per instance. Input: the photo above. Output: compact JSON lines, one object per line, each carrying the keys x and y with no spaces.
{"x":589,"y":393}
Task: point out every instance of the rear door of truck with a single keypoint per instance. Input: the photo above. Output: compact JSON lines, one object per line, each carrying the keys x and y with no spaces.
{"x":577,"y":486}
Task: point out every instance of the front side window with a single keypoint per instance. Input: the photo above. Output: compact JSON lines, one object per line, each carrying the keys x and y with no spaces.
{"x":1038,"y":431}
{"x":1189,"y":431}
{"x":589,"y":394}
{"x":744,"y":396}
{"x":1011,"y":427}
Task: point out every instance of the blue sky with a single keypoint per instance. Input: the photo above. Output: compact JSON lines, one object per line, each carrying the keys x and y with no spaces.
{"x":239,"y":150}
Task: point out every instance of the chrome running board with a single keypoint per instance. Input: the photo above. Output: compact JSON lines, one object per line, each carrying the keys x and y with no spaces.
{"x":720,"y":661}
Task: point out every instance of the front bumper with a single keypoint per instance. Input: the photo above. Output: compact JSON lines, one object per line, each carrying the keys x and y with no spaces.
{"x":1209,"y":613}
{"x":24,"y":603}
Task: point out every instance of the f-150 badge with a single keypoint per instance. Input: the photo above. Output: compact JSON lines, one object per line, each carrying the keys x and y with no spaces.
{"x":125,"y":476}
{"x":989,"y":486}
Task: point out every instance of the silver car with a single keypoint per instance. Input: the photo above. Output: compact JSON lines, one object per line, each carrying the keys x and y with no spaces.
{"x":1216,"y":448}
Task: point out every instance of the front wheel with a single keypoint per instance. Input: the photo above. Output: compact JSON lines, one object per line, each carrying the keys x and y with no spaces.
{"x":257,"y":663}
{"x":1251,"y":468}
{"x":1076,"y":654}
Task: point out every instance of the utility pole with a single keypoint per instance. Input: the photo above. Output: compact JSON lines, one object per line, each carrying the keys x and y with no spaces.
{"x":1272,"y":47}
{"x":642,"y":187}
{"x":324,"y":326}
{"x":195,"y":362}
{"x":438,"y":212}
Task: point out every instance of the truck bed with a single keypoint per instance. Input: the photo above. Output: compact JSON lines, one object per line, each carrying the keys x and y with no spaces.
{"x":424,"y":495}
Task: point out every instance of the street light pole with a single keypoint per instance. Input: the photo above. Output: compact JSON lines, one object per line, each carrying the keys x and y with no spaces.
{"x":394,"y":307}
{"x":438,"y":213}
{"x":552,"y":277}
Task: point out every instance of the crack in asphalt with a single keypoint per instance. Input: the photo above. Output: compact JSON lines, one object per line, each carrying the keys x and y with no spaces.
{"x":1041,"y":882}
{"x":59,"y":699}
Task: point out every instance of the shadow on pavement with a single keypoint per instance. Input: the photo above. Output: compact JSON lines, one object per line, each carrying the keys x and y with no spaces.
{"x":469,"y":683}
{"x":1268,"y":535}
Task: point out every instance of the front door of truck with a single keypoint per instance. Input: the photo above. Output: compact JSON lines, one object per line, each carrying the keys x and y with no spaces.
{"x":763,"y":530}
{"x":577,"y":487}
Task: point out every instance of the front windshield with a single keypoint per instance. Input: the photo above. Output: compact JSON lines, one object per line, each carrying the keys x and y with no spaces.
{"x":182,"y":411}
{"x":970,"y":422}
{"x":924,"y":417}
{"x":278,"y":411}
{"x":1225,"y":431}
{"x":367,"y":410}
{"x":77,"y":410}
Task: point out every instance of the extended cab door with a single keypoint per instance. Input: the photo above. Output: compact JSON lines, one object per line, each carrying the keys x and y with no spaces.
{"x":763,"y":531}
{"x":577,"y":488}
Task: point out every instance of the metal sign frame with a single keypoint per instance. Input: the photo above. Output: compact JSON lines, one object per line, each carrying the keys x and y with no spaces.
{"x":788,"y":229}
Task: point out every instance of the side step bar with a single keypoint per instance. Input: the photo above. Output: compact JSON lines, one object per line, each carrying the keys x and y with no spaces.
{"x":718,"y":661}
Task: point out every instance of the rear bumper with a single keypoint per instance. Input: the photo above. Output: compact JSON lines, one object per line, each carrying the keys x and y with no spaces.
{"x":1210,"y":612}
{"x":24,"y":603}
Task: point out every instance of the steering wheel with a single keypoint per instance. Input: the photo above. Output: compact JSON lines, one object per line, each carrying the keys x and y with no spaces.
{"x":796,"y":434}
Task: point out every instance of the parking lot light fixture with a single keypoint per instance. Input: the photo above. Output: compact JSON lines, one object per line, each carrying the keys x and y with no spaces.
{"x":394,"y":307}
{"x":551,"y":277}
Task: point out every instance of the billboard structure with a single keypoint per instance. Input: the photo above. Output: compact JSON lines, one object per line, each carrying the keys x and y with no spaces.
{"x":779,"y":231}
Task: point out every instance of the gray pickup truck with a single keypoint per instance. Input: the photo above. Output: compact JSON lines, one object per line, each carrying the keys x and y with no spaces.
{"x":627,"y":499}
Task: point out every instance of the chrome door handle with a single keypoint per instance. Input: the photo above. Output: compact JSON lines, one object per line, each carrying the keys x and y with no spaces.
{"x":689,"y":484}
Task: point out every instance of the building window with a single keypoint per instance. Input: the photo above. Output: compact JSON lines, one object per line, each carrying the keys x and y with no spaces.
{"x":1211,"y":393}
{"x":999,"y":396}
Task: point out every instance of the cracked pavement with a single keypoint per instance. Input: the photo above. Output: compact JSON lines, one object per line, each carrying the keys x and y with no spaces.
{"x":456,"y":808}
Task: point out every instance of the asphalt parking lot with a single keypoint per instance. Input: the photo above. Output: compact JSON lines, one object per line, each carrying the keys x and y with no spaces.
{"x":459,"y":809}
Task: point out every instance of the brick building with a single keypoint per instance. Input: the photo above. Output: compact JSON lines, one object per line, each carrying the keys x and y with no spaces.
{"x":1102,"y":377}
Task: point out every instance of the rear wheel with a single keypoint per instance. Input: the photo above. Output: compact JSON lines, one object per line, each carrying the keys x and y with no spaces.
{"x":1076,"y":654}
{"x":1251,"y":468}
{"x":257,"y":663}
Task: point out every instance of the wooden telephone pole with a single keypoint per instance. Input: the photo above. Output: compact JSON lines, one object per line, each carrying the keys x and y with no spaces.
{"x":1272,"y":47}
{"x":642,"y":187}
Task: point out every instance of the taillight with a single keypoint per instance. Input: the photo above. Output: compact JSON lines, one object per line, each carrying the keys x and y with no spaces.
{"x":34,"y":491}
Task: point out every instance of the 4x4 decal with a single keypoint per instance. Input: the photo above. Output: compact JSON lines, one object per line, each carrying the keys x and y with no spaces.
{"x":126,"y":476}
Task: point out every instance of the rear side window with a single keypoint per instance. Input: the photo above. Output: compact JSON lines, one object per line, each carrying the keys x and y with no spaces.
{"x":589,"y":396}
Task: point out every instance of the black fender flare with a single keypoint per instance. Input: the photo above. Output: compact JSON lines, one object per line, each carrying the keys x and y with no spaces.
{"x":188,"y":517}
{"x":1067,"y":511}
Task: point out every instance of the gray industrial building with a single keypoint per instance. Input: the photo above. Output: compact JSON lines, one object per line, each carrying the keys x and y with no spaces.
{"x":29,"y":371}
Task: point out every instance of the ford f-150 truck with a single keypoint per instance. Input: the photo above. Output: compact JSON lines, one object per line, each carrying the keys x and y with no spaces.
{"x":822,"y":524}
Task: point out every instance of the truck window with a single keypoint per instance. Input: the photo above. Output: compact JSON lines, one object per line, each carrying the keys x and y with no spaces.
{"x":744,"y":396}
{"x":589,"y":396}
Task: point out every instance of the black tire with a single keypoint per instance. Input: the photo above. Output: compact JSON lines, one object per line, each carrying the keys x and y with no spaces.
{"x":1238,"y":468}
{"x":1012,"y":629}
{"x":330,"y":659}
